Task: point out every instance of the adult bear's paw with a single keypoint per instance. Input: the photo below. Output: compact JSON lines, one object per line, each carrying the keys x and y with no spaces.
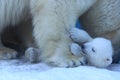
{"x":6,"y":53}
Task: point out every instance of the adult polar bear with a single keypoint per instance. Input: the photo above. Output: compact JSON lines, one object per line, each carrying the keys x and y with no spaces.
{"x":52,"y":20}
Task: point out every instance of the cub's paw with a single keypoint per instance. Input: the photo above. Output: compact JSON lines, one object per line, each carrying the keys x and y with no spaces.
{"x":79,"y":36}
{"x":76,"y":49}
{"x":31,"y":54}
{"x":6,"y":53}
{"x":74,"y":34}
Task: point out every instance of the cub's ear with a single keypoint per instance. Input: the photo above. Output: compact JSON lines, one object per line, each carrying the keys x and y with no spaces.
{"x":75,"y":49}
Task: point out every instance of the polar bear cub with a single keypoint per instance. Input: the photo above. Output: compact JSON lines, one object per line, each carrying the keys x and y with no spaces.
{"x":98,"y":51}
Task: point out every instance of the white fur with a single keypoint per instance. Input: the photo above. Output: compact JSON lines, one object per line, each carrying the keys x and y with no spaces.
{"x":75,"y":49}
{"x":80,"y":36}
{"x":102,"y":57}
{"x":12,"y":11}
{"x":31,"y":54}
{"x":52,"y":20}
{"x":98,"y":51}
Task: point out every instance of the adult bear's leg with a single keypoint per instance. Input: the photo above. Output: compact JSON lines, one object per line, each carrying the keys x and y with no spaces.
{"x":51,"y":32}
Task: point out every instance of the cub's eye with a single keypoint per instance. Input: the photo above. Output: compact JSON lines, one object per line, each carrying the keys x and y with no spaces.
{"x":107,"y":59}
{"x":93,"y":49}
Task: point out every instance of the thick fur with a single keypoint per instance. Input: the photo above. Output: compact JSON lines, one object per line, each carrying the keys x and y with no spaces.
{"x":103,"y":19}
{"x":97,"y":51}
{"x":51,"y":20}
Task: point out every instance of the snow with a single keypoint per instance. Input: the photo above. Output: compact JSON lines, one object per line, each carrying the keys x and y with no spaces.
{"x":19,"y":70}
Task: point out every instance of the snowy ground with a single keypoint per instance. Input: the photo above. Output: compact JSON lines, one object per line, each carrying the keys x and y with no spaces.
{"x":17,"y":70}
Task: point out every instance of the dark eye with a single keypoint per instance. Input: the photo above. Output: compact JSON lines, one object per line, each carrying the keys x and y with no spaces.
{"x":93,"y":49}
{"x":107,"y":59}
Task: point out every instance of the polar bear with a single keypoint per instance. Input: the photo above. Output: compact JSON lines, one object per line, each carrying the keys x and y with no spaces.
{"x":98,"y":51}
{"x":51,"y":20}
{"x":103,"y":19}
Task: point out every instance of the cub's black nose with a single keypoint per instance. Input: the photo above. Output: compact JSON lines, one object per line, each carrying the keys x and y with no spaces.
{"x":82,"y":46}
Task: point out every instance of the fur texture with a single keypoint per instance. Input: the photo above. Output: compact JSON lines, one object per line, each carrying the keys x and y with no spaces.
{"x":51,"y":20}
{"x":103,"y":19}
{"x":97,"y":51}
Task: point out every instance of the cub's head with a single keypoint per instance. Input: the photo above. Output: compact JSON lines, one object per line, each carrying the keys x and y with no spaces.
{"x":98,"y":52}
